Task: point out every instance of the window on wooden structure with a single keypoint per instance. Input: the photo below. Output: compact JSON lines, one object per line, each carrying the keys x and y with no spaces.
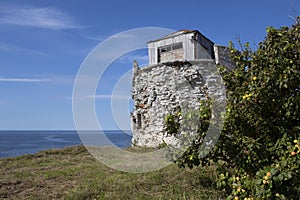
{"x":168,"y":48}
{"x":172,"y":47}
{"x":165,"y":49}
{"x":177,"y":46}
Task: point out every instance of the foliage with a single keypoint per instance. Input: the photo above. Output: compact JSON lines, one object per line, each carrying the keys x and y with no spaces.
{"x":172,"y":123}
{"x":181,"y":124}
{"x":259,"y":145}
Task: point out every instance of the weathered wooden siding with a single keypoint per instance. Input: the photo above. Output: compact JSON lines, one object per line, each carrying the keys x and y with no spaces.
{"x":195,"y":46}
{"x":184,"y":38}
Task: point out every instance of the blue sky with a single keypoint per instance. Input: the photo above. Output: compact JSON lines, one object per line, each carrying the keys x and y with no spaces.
{"x":43,"y":43}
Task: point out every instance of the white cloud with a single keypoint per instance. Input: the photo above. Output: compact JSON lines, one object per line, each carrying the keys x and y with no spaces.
{"x":13,"y":48}
{"x":24,"y":80}
{"x":47,"y":17}
{"x":6,"y":48}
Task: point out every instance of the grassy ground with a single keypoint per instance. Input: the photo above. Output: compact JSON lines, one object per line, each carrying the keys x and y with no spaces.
{"x":72,"y":173}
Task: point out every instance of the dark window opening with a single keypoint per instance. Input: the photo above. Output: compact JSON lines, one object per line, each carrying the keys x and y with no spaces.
{"x":139,"y":120}
{"x":158,"y":53}
{"x":170,"y":47}
{"x":134,"y":120}
{"x":177,"y":46}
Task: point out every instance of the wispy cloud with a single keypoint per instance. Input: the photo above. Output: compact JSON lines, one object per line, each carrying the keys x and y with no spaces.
{"x":5,"y":47}
{"x":13,"y":48}
{"x":46,"y":17}
{"x":24,"y":80}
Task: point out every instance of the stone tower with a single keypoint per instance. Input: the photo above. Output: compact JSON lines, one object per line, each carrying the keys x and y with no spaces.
{"x":179,"y":70}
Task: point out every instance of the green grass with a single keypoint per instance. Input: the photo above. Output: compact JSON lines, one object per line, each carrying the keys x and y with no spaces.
{"x":72,"y":173}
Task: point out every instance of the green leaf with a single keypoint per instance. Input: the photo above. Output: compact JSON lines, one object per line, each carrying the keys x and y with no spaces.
{"x":274,"y":171}
{"x":280,"y":177}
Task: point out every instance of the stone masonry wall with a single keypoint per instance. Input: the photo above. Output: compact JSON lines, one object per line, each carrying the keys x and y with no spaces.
{"x":161,"y":89}
{"x":171,"y":55}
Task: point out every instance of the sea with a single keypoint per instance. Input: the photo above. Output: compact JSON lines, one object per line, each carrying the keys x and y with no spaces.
{"x":16,"y":143}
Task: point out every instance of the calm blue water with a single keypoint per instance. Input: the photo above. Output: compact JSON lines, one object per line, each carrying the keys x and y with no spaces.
{"x":15,"y":143}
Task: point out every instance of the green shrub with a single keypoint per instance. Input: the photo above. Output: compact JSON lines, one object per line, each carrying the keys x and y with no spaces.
{"x":259,"y":144}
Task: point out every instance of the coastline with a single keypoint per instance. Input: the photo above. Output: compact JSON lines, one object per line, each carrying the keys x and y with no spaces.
{"x":21,"y":142}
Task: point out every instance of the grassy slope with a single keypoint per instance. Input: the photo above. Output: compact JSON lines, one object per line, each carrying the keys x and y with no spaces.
{"x":72,"y":173}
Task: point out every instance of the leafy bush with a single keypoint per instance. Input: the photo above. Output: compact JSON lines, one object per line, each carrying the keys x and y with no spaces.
{"x":259,"y":146}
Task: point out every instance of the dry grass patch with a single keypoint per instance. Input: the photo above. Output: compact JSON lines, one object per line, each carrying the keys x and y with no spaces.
{"x":72,"y":173}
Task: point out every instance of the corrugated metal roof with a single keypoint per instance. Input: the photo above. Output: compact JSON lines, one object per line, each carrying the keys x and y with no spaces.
{"x":179,"y":33}
{"x":184,"y":31}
